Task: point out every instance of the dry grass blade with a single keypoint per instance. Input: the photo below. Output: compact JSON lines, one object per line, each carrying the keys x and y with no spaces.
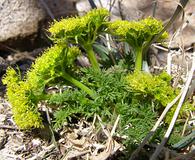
{"x":185,"y":125}
{"x":175,"y":15}
{"x":51,"y":128}
{"x":183,"y":96}
{"x":75,"y":154}
{"x":48,"y":10}
{"x":106,"y":132}
{"x":8,"y":127}
{"x":188,"y":156}
{"x":169,"y":55}
{"x":115,"y":125}
{"x":100,"y":2}
{"x":154,"y":7}
{"x":92,"y":4}
{"x":112,"y":2}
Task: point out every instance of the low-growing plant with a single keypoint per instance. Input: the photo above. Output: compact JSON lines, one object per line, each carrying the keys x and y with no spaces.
{"x":138,"y":97}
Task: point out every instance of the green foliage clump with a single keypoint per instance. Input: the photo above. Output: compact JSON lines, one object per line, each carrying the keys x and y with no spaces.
{"x":55,"y":63}
{"x":117,"y":93}
{"x":109,"y":88}
{"x":137,"y":33}
{"x":70,"y":103}
{"x":136,"y":97}
{"x":158,"y":88}
{"x":67,"y":28}
{"x":44,"y":68}
{"x":80,"y":29}
{"x":52,"y":63}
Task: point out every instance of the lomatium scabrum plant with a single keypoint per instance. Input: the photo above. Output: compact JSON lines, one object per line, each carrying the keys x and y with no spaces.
{"x":94,"y":90}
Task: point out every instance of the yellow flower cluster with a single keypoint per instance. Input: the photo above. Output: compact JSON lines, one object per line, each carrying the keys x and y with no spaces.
{"x":141,"y":82}
{"x":137,"y":32}
{"x":79,"y":28}
{"x":26,"y":115}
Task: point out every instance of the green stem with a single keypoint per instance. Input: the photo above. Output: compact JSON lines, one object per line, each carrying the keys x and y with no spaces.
{"x":78,"y":84}
{"x":91,"y":55}
{"x":138,"y":59}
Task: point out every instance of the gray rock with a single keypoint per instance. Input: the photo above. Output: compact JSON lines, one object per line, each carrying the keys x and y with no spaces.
{"x":61,"y":8}
{"x":23,"y":18}
{"x":19,"y":18}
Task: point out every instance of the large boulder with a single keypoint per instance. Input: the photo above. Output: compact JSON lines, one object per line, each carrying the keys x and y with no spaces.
{"x":21,"y":19}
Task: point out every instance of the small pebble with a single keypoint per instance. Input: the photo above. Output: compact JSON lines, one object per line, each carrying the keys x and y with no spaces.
{"x":36,"y":142}
{"x":2,"y":118}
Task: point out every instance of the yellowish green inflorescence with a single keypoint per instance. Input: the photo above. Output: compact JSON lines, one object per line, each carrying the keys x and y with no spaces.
{"x":154,"y":86}
{"x":138,"y":35}
{"x":82,"y":30}
{"x":25,"y":111}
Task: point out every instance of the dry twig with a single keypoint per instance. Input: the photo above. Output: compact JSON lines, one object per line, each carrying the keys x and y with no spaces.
{"x":49,"y":12}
